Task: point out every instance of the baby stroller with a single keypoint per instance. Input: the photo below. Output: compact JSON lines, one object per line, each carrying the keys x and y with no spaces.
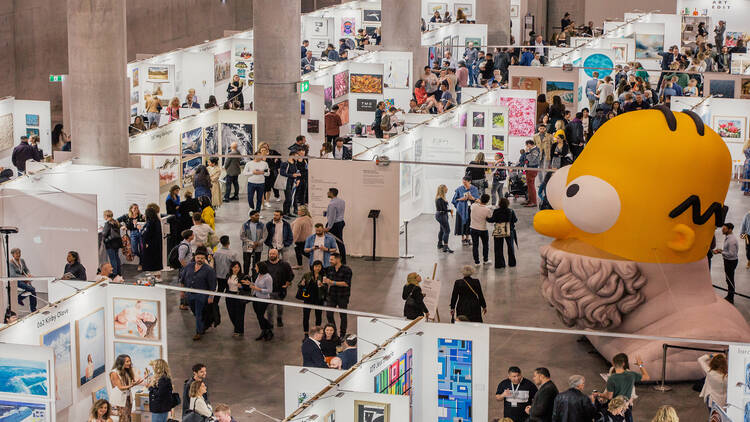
{"x":516,"y":184}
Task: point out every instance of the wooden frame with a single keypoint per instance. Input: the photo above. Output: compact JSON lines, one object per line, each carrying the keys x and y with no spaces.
{"x":78,"y":344}
{"x":137,"y":337}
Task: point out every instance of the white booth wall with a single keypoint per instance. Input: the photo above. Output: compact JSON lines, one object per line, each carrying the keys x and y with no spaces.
{"x":456,"y":37}
{"x":735,"y":13}
{"x":299,"y":387}
{"x":631,"y":30}
{"x":326,"y":25}
{"x":429,"y":7}
{"x":13,"y":125}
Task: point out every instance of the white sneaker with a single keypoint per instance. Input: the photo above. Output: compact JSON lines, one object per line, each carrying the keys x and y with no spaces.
{"x":477,"y":265}
{"x":267,"y":204}
{"x":488,"y":262}
{"x":277,"y":199}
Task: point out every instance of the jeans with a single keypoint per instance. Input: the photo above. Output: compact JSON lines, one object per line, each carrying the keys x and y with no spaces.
{"x":257,"y":190}
{"x":481,"y":185}
{"x":114,"y":259}
{"x":279,"y":309}
{"x":289,"y":195}
{"x":299,"y":251}
{"x":135,"y":244}
{"x":197,"y":303}
{"x":153,"y":117}
{"x":260,"y":311}
{"x":335,"y":301}
{"x":232,"y":181}
{"x":27,"y":287}
{"x":445,"y":228}
{"x":159,"y":417}
{"x":496,"y":192}
{"x":236,"y":311}
{"x":338,"y":231}
{"x":499,"y":258}
{"x":306,"y":318}
{"x":473,"y":72}
{"x":531,"y":190}
{"x":730,"y":265}
{"x":484,"y":236}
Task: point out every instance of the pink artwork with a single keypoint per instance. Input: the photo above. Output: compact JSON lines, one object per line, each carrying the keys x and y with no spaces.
{"x":340,"y":84}
{"x":521,"y":115}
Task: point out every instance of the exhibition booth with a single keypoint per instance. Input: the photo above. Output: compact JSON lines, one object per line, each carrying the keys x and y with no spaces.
{"x":454,"y":37}
{"x":429,"y":8}
{"x":736,"y":14}
{"x":330,"y":24}
{"x":23,"y":118}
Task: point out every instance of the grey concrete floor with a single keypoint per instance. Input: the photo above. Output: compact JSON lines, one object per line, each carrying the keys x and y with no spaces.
{"x":244,"y":373}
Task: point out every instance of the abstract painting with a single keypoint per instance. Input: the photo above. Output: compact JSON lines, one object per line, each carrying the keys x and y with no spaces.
{"x":32,"y":120}
{"x":211,"y":141}
{"x":454,"y":380}
{"x":372,"y":15}
{"x":498,"y":120}
{"x":313,"y":126}
{"x":140,"y":354}
{"x":498,"y":142}
{"x":6,"y":131}
{"x":529,"y":83}
{"x":192,"y":142}
{"x":135,"y":77}
{"x":340,"y":84}
{"x":600,"y":63}
{"x":25,"y":377}
{"x":396,"y":378}
{"x":648,"y":46}
{"x":158,"y":74}
{"x":465,"y":7}
{"x":167,"y":167}
{"x":241,"y":133}
{"x":60,"y":342}
{"x":18,"y":411}
{"x":521,"y":115}
{"x":348,"y":27}
{"x":222,"y":66}
{"x":732,"y":129}
{"x":620,"y":51}
{"x":32,"y":131}
{"x":100,"y":394}
{"x":565,"y":90}
{"x":367,"y":411}
{"x":328,"y":96}
{"x":136,"y":318}
{"x":91,"y":346}
{"x":722,"y":88}
{"x":745,"y":86}
{"x":477,"y":119}
{"x":389,"y":102}
{"x":366,"y":84}
{"x":477,"y":141}
{"x":343,"y":111}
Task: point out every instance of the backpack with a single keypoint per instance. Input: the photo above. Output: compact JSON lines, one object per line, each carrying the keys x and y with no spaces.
{"x":385,"y":122}
{"x":173,"y":259}
{"x":501,"y":229}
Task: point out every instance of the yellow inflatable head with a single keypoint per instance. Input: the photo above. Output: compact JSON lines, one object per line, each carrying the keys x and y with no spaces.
{"x":648,"y":187}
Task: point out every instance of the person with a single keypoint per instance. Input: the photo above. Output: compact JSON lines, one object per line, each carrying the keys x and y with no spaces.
{"x":273,"y":168}
{"x":319,"y":246}
{"x":262,"y":288}
{"x":615,"y":410}
{"x":24,"y":152}
{"x":499,"y":175}
{"x":307,"y":64}
{"x":312,"y":354}
{"x":60,"y":138}
{"x":504,"y":230}
{"x":112,"y":241}
{"x":436,"y":18}
{"x":348,"y":356}
{"x":175,"y":218}
{"x":18,"y":268}
{"x":173,"y":109}
{"x":441,"y":215}
{"x":282,"y":275}
{"x":234,"y":91}
{"x":222,"y":413}
{"x":74,"y":270}
{"x":232,"y":166}
{"x":340,"y":151}
{"x":280,"y":234}
{"x":202,"y":182}
{"x":719,"y":34}
{"x":542,"y":406}
{"x":560,"y":151}
{"x":152,"y":240}
{"x":479,"y":214}
{"x":565,"y":21}
{"x":302,"y":229}
{"x":223,"y":259}
{"x":715,"y":387}
{"x":190,"y":102}
{"x":516,"y":392}
{"x":463,"y":197}
{"x":132,"y":221}
{"x":198,"y":403}
{"x":532,"y":162}
{"x":211,"y":102}
{"x":572,"y":405}
{"x":622,"y":381}
{"x":414,"y":307}
{"x":577,"y":138}
{"x":135,"y":128}
{"x":745,"y":187}
{"x":256,"y":172}
{"x":338,"y":278}
{"x":100,"y":412}
{"x":252,"y":234}
{"x":335,"y":221}
{"x":377,"y":124}
{"x":199,"y":374}
{"x":201,"y":276}
{"x":745,"y":236}
{"x":332,"y":124}
{"x":202,"y":232}
{"x":184,"y":248}
{"x":329,"y":342}
{"x":237,"y":283}
{"x":121,"y":380}
{"x":478,"y":174}
{"x":313,"y":293}
{"x":665,"y":414}
{"x":467,"y":299}
{"x":731,"y":258}
{"x":543,"y":140}
{"x":160,"y":391}
{"x":214,"y":174}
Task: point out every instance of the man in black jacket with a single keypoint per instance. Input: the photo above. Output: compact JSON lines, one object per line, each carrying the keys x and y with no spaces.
{"x":199,"y":374}
{"x":338,"y":278}
{"x":572,"y":405}
{"x":576,"y":140}
{"x":199,"y":275}
{"x":24,"y":152}
{"x":312,"y":356}
{"x":282,"y":275}
{"x":544,"y":400}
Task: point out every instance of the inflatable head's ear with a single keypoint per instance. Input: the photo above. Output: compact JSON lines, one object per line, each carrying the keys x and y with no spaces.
{"x":683,"y":238}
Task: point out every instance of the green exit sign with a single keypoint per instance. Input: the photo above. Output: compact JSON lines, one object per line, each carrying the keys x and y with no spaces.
{"x":55,"y":78}
{"x":304,"y":86}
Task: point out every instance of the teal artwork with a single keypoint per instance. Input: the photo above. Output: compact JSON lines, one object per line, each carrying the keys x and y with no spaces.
{"x":598,"y":63}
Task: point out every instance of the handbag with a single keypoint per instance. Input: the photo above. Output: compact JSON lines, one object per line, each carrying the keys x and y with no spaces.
{"x":176,"y":400}
{"x":501,"y":229}
{"x":192,"y":416}
{"x":302,"y":292}
{"x":280,"y":182}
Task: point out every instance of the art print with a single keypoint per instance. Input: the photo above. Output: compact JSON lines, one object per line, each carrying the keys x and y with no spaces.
{"x":241,"y":133}
{"x":158,"y":74}
{"x":222,"y":66}
{"x":565,"y":90}
{"x":477,"y":119}
{"x":318,"y":44}
{"x":32,"y":120}
{"x":192,"y":141}
{"x":521,"y":115}
{"x":91,"y":350}
{"x":648,"y":46}
{"x":14,"y":410}
{"x":372,"y":15}
{"x":167,"y":167}
{"x":437,"y":7}
{"x":366,"y":411}
{"x":498,"y":120}
{"x":722,"y":88}
{"x":498,"y":142}
{"x":340,"y":84}
{"x":732,"y":129}
{"x":343,"y":111}
{"x":24,"y":377}
{"x":135,"y":78}
{"x":464,"y":7}
{"x":620,"y":51}
{"x":136,"y":319}
{"x":59,"y":340}
{"x":243,"y":50}
{"x":366,"y":84}
{"x":348,"y":27}
{"x":477,"y":141}
{"x":527,"y":82}
{"x":745,"y":88}
{"x":140,"y":354}
{"x":32,"y":132}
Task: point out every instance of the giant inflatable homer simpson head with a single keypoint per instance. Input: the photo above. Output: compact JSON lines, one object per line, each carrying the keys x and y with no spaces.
{"x":633,"y":219}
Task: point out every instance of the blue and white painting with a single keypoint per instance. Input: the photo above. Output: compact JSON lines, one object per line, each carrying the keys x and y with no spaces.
{"x":212,"y":139}
{"x":648,"y":46}
{"x":20,"y":376}
{"x":17,"y":411}
{"x":140,"y":355}
{"x":91,"y":346}
{"x":60,"y":342}
{"x":600,"y":63}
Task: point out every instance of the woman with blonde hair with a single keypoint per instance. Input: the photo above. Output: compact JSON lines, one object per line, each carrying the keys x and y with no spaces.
{"x":173,"y":110}
{"x":302,"y":228}
{"x":160,"y":391}
{"x":615,"y":410}
{"x":153,"y":109}
{"x":414,"y":306}
{"x":112,"y":241}
{"x":715,"y":387}
{"x":441,"y":215}
{"x":746,"y":168}
{"x":101,"y":411}
{"x":666,"y":414}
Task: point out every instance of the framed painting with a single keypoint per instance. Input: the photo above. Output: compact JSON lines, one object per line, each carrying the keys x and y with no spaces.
{"x":562,"y":89}
{"x":366,"y":84}
{"x":24,"y":377}
{"x":6,"y":131}
{"x":157,"y":74}
{"x":26,"y":411}
{"x":467,"y":8}
{"x":732,"y":129}
{"x":527,"y":82}
{"x":313,"y":126}
{"x":745,"y":88}
{"x":498,"y":142}
{"x":722,"y":88}
{"x":373,"y":15}
{"x":454,"y":379}
{"x":340,"y":84}
{"x":59,"y":340}
{"x":648,"y":46}
{"x":498,"y":120}
{"x":344,"y":111}
{"x":222,"y":66}
{"x":476,"y":42}
{"x":32,"y":131}
{"x":620,"y":51}
{"x":100,"y":394}
{"x":477,"y":142}
{"x":348,"y":27}
{"x":91,"y":346}
{"x":32,"y":120}
{"x":369,"y":411}
{"x":436,"y":7}
{"x":477,"y":119}
{"x":136,"y":319}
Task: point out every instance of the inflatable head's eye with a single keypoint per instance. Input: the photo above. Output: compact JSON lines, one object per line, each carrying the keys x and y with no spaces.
{"x":556,"y":187}
{"x":591,"y":204}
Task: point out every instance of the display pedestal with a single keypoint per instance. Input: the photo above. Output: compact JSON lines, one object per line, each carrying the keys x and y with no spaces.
{"x":374,"y":214}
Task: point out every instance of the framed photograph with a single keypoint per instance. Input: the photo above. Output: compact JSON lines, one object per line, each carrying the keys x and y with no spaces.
{"x":467,"y":8}
{"x":477,"y":141}
{"x":137,"y":318}
{"x":514,"y":10}
{"x":498,"y":142}
{"x":620,"y":51}
{"x":722,"y":88}
{"x":731,"y":129}
{"x":91,"y":346}
{"x":318,"y":44}
{"x":369,"y":411}
{"x":313,"y":126}
{"x":320,"y":26}
{"x":32,"y":131}
{"x":437,"y":7}
{"x":59,"y":340}
{"x":477,"y":119}
{"x":498,"y":120}
{"x":366,"y":84}
{"x":158,"y":74}
{"x":372,"y":15}
{"x":32,"y":120}
{"x":135,"y":78}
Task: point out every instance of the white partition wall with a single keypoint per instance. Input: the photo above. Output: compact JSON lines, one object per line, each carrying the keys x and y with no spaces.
{"x":23,"y":118}
{"x":429,"y":7}
{"x":299,"y":387}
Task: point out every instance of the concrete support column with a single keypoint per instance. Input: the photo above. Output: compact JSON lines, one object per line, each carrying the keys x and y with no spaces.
{"x":400,"y":29}
{"x":538,"y":9}
{"x":276,"y":26}
{"x":99,"y":97}
{"x":496,"y":15}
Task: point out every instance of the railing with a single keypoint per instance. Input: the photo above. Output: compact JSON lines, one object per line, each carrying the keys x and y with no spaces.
{"x":664,"y":388}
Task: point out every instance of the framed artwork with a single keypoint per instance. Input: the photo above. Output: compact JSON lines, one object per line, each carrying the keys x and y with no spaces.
{"x":135,"y":77}
{"x":514,"y":11}
{"x":320,"y":27}
{"x":32,"y":120}
{"x":134,"y":97}
{"x":521,"y":115}
{"x":313,"y":126}
{"x":366,"y":104}
{"x":477,"y":141}
{"x":600,"y":63}
{"x":188,"y":169}
{"x":328,"y":96}
{"x":90,"y":339}
{"x":454,"y":379}
{"x":242,"y":133}
{"x":133,"y":111}
{"x":100,"y":394}
{"x":348,"y":27}
{"x":211,"y":139}
{"x":732,"y":129}
{"x":498,"y":142}
{"x":647,"y":46}
{"x":30,"y":131}
{"x":340,"y":84}
{"x":366,"y":84}
{"x":137,"y":318}
{"x":158,"y":74}
{"x":563,"y":89}
{"x":745,"y":88}
{"x":318,"y":44}
{"x":477,"y":119}
{"x":467,"y":8}
{"x":437,"y":7}
{"x":368,"y":411}
{"x":6,"y":131}
{"x":17,"y":410}
{"x":722,"y":88}
{"x":167,"y":167}
{"x":498,"y":120}
{"x":140,"y":354}
{"x":243,"y":50}
{"x":396,"y":378}
{"x":343,"y":111}
{"x":330,"y":416}
{"x":24,"y":377}
{"x":476,"y":41}
{"x":620,"y":51}
{"x":60,"y":342}
{"x":527,"y":82}
{"x":222,"y":66}
{"x":370,"y":30}
{"x":192,"y":141}
{"x":389,"y":102}
{"x":372,"y":15}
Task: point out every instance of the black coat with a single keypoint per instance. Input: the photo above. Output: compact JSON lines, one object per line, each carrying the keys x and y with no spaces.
{"x":468,"y":301}
{"x":415,"y":308}
{"x":186,"y":396}
{"x":152,"y":246}
{"x":573,"y":406}
{"x":315,"y":294}
{"x":160,"y":396}
{"x":312,"y":356}
{"x":543,"y":404}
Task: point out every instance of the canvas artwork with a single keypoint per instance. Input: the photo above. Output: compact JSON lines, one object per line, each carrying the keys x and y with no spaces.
{"x":167,"y":167}
{"x":330,"y":416}
{"x":527,"y":82}
{"x":389,"y":102}
{"x":367,"y":411}
{"x":192,"y":141}
{"x":648,"y":46}
{"x":437,"y":7}
{"x":158,"y":74}
{"x":140,"y":354}
{"x":406,"y":171}
{"x":320,"y":26}
{"x":745,"y":86}
{"x":477,"y":141}
{"x":222,"y":66}
{"x":366,"y":104}
{"x":135,"y":77}
{"x":722,"y":88}
{"x":91,"y":349}
{"x":514,"y":11}
{"x":372,"y":15}
{"x":20,"y":411}
{"x":100,"y":394}
{"x":454,"y":380}
{"x":620,"y":51}
{"x":133,"y":111}
{"x":340,"y":84}
{"x":241,"y":133}
{"x":476,"y":42}
{"x":32,"y":132}
{"x":564,"y":90}
{"x":498,"y":120}
{"x":477,"y":119}
{"x":732,"y":129}
{"x":211,"y":141}
{"x":32,"y":120}
{"x":328,"y":96}
{"x":243,"y":49}
{"x":498,"y":142}
{"x":136,"y":318}
{"x":348,"y":27}
{"x":465,"y":7}
{"x":313,"y":126}
{"x":188,"y":169}
{"x":366,"y":84}
{"x":24,"y":377}
{"x":521,"y":115}
{"x":60,"y":342}
{"x":600,"y":63}
{"x":134,"y":97}
{"x":344,"y":111}
{"x":318,"y":44}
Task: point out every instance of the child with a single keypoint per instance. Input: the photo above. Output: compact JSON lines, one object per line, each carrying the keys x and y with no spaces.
{"x":522,"y":159}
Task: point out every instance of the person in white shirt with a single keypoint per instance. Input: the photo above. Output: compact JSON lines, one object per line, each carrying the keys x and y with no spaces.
{"x":340,"y":152}
{"x":256,"y":172}
{"x":605,"y":89}
{"x":480,"y":212}
{"x":201,"y":231}
{"x":197,"y":402}
{"x":715,"y":388}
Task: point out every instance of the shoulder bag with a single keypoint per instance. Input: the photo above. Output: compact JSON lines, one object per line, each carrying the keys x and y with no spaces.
{"x":280,"y":182}
{"x":193,"y":416}
{"x":471,"y":288}
{"x":411,"y":302}
{"x":501,"y":230}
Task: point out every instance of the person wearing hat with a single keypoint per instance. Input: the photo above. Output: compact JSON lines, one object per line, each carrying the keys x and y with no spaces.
{"x":498,"y":177}
{"x":24,"y":152}
{"x":414,"y":306}
{"x":199,"y":275}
